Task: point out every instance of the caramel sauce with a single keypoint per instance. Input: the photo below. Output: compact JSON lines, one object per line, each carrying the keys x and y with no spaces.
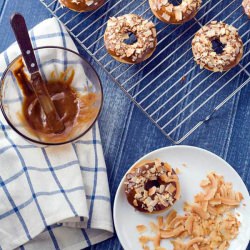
{"x":75,"y":110}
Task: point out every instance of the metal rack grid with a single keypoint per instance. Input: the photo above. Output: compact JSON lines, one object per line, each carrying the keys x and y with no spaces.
{"x":171,"y":90}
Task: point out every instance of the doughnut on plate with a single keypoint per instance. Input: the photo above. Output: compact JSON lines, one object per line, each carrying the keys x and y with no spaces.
{"x":194,"y":165}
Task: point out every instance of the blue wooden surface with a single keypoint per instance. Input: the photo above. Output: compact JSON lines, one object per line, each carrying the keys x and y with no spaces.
{"x":127,"y":134}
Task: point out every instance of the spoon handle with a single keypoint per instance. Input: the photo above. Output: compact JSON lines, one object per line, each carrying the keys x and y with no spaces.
{"x":22,"y":36}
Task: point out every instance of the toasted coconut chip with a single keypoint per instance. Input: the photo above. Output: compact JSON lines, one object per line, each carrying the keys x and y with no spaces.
{"x":160,"y":222}
{"x":144,"y":239}
{"x":142,"y":163}
{"x":141,"y":228}
{"x":152,"y":191}
{"x":164,"y":178}
{"x":173,"y":233}
{"x":215,"y":202}
{"x":168,"y":167}
{"x":195,"y":247}
{"x":198,"y":210}
{"x":223,"y":246}
{"x":212,"y":210}
{"x":177,"y":221}
{"x":231,"y":194}
{"x":160,"y":248}
{"x":194,"y":241}
{"x":204,"y":183}
{"x":223,"y":191}
{"x":170,"y":188}
{"x":212,"y":188}
{"x":168,"y":179}
{"x":230,"y":202}
{"x":239,"y":196}
{"x":187,"y":207}
{"x":157,"y":162}
{"x":189,"y":224}
{"x":178,"y":190}
{"x":157,"y":240}
{"x":183,"y":235}
{"x":170,"y":217}
{"x":178,"y":244}
{"x":199,"y":198}
{"x":154,"y":227}
{"x":177,"y":171}
{"x":204,"y":205}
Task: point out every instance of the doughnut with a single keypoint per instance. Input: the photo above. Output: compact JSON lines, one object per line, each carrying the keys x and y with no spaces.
{"x":203,"y":51}
{"x":82,"y":5}
{"x":168,"y":13}
{"x":152,"y":186}
{"x":118,"y":30}
{"x":246,"y":7}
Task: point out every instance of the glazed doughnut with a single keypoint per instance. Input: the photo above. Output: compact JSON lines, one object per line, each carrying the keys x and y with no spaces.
{"x":203,"y":51}
{"x":152,"y":186}
{"x":246,"y":7}
{"x":168,"y":13}
{"x":118,"y":30}
{"x":82,"y":5}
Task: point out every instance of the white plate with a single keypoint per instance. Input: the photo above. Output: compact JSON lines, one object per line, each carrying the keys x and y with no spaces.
{"x":199,"y":163}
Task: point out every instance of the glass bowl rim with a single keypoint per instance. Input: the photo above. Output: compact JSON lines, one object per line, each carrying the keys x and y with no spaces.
{"x":36,"y":141}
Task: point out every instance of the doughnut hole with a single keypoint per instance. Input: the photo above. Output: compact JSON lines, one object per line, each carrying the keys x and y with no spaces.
{"x":175,"y":2}
{"x":132,"y":39}
{"x":217,"y":46}
{"x":151,"y":183}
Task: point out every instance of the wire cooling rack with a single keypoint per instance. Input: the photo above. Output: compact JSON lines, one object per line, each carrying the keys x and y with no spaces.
{"x":171,"y":90}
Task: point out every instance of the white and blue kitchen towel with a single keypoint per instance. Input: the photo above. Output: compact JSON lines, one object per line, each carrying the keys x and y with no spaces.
{"x":54,"y":197}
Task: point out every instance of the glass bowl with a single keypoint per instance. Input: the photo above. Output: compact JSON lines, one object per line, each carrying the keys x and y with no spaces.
{"x":54,"y":63}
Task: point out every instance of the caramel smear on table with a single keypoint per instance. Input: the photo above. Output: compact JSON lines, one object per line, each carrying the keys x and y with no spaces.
{"x":208,"y":224}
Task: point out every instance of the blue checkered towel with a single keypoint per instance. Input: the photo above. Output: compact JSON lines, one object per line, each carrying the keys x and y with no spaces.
{"x":54,"y":197}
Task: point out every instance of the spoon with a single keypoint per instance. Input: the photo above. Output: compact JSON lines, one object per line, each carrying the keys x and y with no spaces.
{"x":38,"y":84}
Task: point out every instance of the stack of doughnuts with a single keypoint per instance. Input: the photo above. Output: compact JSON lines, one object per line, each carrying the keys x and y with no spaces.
{"x":152,"y":186}
{"x":204,"y":54}
{"x":117,"y":31}
{"x":168,"y":13}
{"x":82,"y":5}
